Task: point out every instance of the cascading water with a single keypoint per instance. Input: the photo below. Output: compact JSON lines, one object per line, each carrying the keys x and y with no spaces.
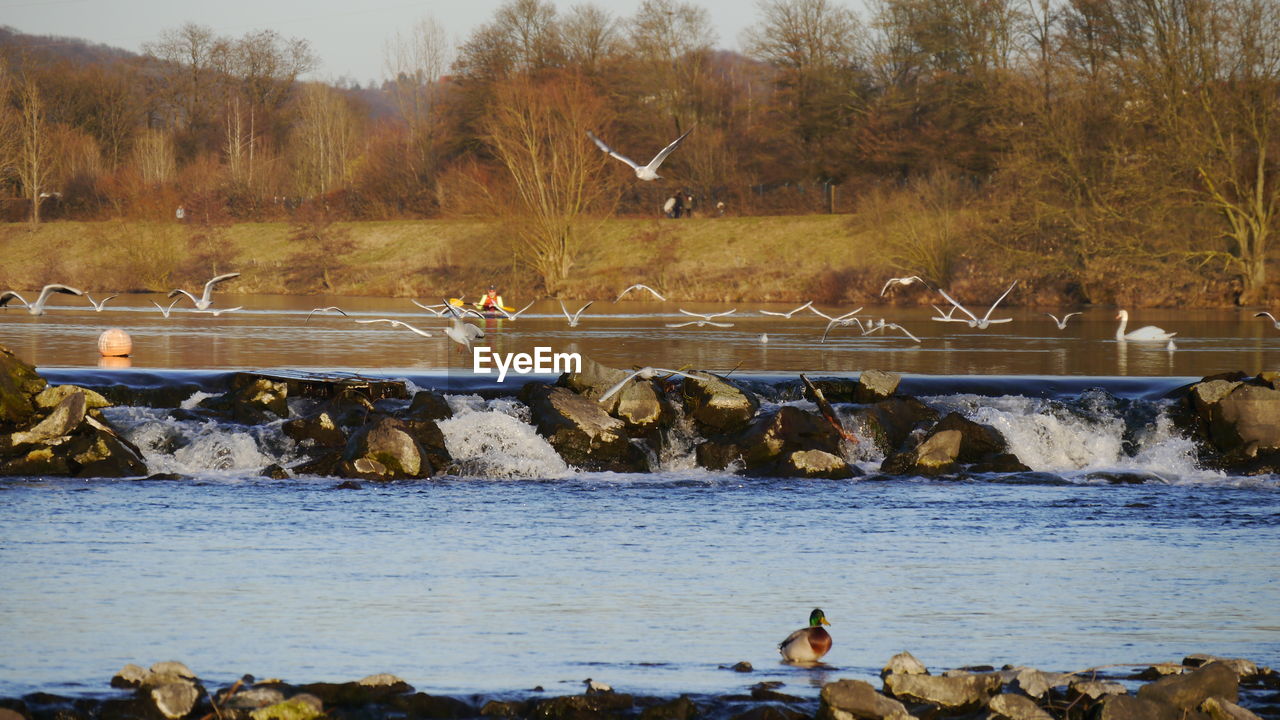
{"x":494,"y":439}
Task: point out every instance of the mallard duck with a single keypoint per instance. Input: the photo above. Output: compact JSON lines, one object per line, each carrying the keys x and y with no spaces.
{"x":807,"y":645}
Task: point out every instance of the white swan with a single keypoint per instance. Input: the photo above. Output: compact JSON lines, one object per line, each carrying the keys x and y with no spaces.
{"x":1147,"y":333}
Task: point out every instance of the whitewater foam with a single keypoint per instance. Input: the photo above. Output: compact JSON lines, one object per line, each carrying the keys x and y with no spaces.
{"x":493,"y":439}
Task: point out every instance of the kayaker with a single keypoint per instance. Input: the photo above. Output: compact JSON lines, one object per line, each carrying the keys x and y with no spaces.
{"x":491,"y":301}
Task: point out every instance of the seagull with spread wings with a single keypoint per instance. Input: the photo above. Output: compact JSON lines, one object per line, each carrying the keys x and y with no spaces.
{"x":37,"y":307}
{"x":206,"y":299}
{"x":974,"y":321}
{"x":644,"y":172}
{"x":641,"y":287}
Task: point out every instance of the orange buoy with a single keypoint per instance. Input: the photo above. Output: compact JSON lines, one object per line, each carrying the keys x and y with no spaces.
{"x":115,"y":343}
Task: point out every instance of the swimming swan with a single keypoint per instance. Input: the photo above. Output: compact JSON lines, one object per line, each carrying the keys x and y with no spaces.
{"x":1148,"y":333}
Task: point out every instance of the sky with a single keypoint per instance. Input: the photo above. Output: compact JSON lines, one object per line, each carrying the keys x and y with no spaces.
{"x":348,"y":41}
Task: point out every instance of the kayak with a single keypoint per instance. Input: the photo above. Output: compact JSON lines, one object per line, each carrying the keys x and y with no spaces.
{"x":457,"y":302}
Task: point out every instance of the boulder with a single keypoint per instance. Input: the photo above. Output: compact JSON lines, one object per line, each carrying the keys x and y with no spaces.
{"x":857,"y":700}
{"x":890,"y":422}
{"x":682,"y":708}
{"x":130,"y":676}
{"x":1241,"y":418}
{"x":429,"y":405}
{"x":386,"y":680}
{"x":387,"y":443}
{"x":175,"y":699}
{"x":1186,"y":692}
{"x":580,"y":430}
{"x":1038,"y":683}
{"x":716,"y":404}
{"x":295,"y":708}
{"x":319,"y":429}
{"x":977,"y":442}
{"x":582,"y":707}
{"x":1127,"y":707}
{"x":834,"y":389}
{"x":432,"y":707}
{"x":65,"y":418}
{"x":816,"y":464}
{"x":1220,"y":709}
{"x":431,"y":440}
{"x":1016,"y":707}
{"x":169,"y":671}
{"x":1095,"y":689}
{"x":788,"y":429}
{"x":936,"y":455}
{"x":962,"y":693}
{"x":19,"y":384}
{"x":97,"y":451}
{"x":876,"y":385}
{"x":638,"y":403}
{"x":259,"y":400}
{"x":254,"y":698}
{"x":1243,"y":666}
{"x":904,"y":663}
{"x":51,"y":396}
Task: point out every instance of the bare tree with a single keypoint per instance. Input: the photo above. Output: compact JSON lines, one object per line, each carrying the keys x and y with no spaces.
{"x":672,"y":41}
{"x":154,"y":156}
{"x":416,"y":62}
{"x":190,"y":61}
{"x":538,"y":131}
{"x":590,"y":36}
{"x":815,"y":47}
{"x":35,"y":153}
{"x":324,"y":140}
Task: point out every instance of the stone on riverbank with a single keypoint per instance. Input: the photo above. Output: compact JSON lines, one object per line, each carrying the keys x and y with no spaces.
{"x":1186,"y":692}
{"x":904,"y":663}
{"x":858,"y":700}
{"x":1016,"y":707}
{"x":19,"y":385}
{"x":957,"y":693}
{"x":175,"y":700}
{"x":295,"y":708}
{"x":387,"y":443}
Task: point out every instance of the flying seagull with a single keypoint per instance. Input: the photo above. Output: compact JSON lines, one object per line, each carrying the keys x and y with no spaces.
{"x":974,"y":321}
{"x":463,"y":333}
{"x":788,"y":314}
{"x":516,"y":314}
{"x":644,"y":373}
{"x":164,"y":310}
{"x":573,"y":319}
{"x":37,"y":307}
{"x":396,"y":323}
{"x":1062,"y":324}
{"x":331,"y":308}
{"x":641,"y":287}
{"x":904,"y":281}
{"x":219,"y":311}
{"x":436,"y":310}
{"x":844,"y":320}
{"x":644,"y":172}
{"x":882,"y":325}
{"x":206,"y":299}
{"x":1274,"y":321}
{"x":97,"y":306}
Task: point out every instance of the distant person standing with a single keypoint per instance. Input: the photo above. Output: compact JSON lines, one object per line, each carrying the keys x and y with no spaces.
{"x":688,"y":205}
{"x":678,"y":210}
{"x":669,"y":207}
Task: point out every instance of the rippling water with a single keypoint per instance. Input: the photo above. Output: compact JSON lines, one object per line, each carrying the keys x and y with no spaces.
{"x":525,"y":572}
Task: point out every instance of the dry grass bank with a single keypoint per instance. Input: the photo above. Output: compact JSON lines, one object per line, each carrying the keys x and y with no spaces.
{"x":733,"y":258}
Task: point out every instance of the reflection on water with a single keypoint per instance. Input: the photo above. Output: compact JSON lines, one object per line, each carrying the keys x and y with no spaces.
{"x":274,"y":331}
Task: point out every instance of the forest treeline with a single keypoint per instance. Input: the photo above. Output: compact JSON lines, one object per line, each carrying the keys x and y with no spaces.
{"x":1111,"y":149}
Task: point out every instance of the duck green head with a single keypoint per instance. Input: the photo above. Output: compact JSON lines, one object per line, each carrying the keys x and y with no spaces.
{"x":816,"y":618}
